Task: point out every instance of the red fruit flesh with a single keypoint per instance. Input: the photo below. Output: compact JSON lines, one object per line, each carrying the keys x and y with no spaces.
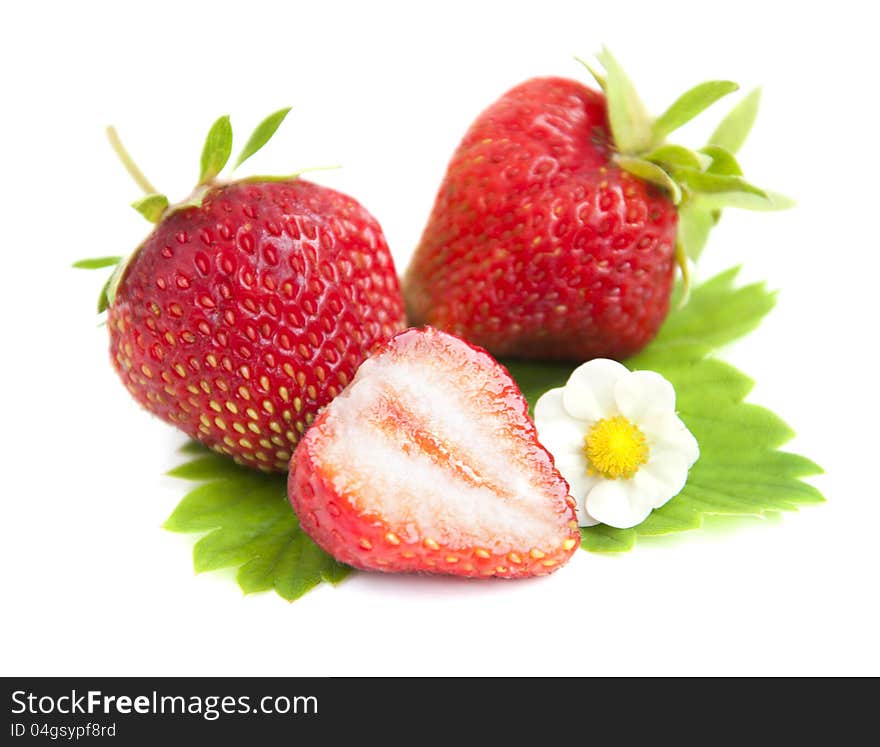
{"x":239,"y":319}
{"x":538,"y":245}
{"x":429,"y":462}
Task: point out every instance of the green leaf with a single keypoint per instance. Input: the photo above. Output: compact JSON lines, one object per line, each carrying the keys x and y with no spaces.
{"x":108,"y":292}
{"x":288,"y":177}
{"x":99,"y":263}
{"x":694,"y":226}
{"x":723,"y":161}
{"x":735,"y":127}
{"x":630,"y":122}
{"x":103,"y":300}
{"x":673,"y":517}
{"x":207,"y":467}
{"x":217,"y":149}
{"x":152,"y":207}
{"x":690,"y":104}
{"x":704,"y":182}
{"x":716,"y":314}
{"x":603,"y":538}
{"x":96,"y":263}
{"x":194,"y":448}
{"x":261,"y":135}
{"x":597,"y":76}
{"x":250,"y":525}
{"x":651,"y":172}
{"x":678,"y":156}
{"x":770,"y":201}
{"x":741,"y":471}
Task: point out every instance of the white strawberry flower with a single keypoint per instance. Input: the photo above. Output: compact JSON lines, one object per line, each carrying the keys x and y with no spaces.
{"x":617,"y":441}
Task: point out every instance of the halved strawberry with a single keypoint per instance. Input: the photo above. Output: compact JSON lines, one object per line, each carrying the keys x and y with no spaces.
{"x":429,"y":462}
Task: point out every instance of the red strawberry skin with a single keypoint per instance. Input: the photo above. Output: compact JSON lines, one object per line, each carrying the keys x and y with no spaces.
{"x":369,"y":539}
{"x":239,"y":319}
{"x":538,"y":245}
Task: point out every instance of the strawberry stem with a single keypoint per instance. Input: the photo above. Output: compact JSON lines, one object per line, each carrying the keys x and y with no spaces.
{"x":130,"y":166}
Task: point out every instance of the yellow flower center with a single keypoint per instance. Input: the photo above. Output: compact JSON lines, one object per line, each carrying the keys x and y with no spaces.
{"x":615,"y":447}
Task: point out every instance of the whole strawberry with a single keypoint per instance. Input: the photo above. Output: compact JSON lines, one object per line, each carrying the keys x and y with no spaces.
{"x":430,"y":463}
{"x":563,"y":213}
{"x":250,"y":306}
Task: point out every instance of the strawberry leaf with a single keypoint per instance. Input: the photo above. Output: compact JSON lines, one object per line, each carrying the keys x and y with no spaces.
{"x":768,"y":202}
{"x":741,"y":470}
{"x":735,"y":127}
{"x":694,"y":226}
{"x":702,"y":181}
{"x":630,"y":122}
{"x":723,"y":161}
{"x":608,"y":539}
{"x":261,"y":135}
{"x":152,"y":207}
{"x":250,"y":526}
{"x":597,"y":76}
{"x":651,"y":172}
{"x":103,"y":299}
{"x":96,"y":263}
{"x":716,"y":314}
{"x":677,"y":156}
{"x":108,"y":292}
{"x":690,"y":104}
{"x":288,"y":177}
{"x":217,"y":149}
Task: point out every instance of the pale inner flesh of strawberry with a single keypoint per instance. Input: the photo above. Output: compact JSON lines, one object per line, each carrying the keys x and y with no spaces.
{"x":439,"y":448}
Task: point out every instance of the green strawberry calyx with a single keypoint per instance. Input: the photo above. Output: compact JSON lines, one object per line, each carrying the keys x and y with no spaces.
{"x":699,"y":182}
{"x":155,"y":206}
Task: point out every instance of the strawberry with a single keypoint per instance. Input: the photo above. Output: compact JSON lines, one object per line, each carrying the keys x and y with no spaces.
{"x":250,"y":306}
{"x":429,"y":462}
{"x":556,"y":230}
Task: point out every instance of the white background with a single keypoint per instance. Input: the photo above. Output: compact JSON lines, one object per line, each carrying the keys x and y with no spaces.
{"x":93,"y":585}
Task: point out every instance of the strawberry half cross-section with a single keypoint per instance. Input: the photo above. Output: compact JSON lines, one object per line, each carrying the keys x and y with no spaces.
{"x":429,"y":462}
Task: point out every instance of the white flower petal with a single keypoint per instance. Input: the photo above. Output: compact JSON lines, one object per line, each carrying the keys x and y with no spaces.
{"x":617,"y":503}
{"x":549,"y":408}
{"x":562,"y":438}
{"x":584,"y":519}
{"x":580,"y":483}
{"x":662,"y":477}
{"x":665,"y":431}
{"x":575,"y":474}
{"x":648,"y":489}
{"x":589,"y":392}
{"x":641,"y":393}
{"x":573,"y":467}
